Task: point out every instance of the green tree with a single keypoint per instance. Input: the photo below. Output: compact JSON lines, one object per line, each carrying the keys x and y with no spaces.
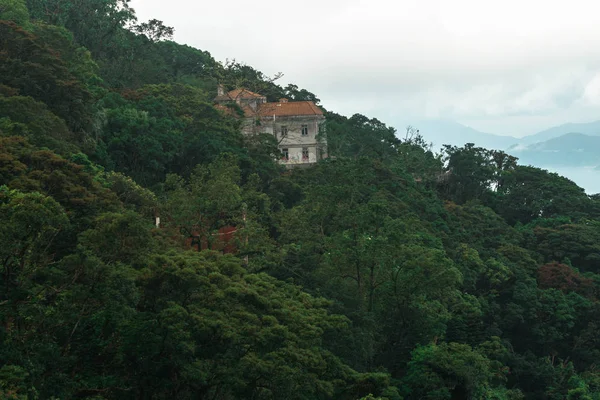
{"x":453,"y":370}
{"x":210,"y":200}
{"x":154,"y":30}
{"x":224,"y":333}
{"x":94,"y":23}
{"x":359,"y":136}
{"x":139,"y":145}
{"x":528,"y":193}
{"x":23,"y":116}
{"x":30,"y":222}
{"x":15,"y":11}
{"x":29,"y":65}
{"x":470,"y":173}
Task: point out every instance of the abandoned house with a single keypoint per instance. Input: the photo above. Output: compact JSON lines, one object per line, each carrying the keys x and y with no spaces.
{"x":295,"y":124}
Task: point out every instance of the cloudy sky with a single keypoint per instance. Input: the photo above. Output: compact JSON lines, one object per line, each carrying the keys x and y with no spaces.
{"x":505,"y":67}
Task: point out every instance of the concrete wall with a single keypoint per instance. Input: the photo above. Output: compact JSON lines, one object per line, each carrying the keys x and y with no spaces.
{"x":296,"y":155}
{"x":253,"y":103}
{"x":294,"y":141}
{"x":294,"y":129}
{"x":249,"y":126}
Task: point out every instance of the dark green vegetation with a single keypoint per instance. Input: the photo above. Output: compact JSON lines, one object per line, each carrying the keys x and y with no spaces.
{"x":388,"y":272}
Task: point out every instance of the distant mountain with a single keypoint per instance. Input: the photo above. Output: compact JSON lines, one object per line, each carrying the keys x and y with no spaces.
{"x":442,"y":132}
{"x":572,"y":144}
{"x":589,"y":128}
{"x":571,"y":149}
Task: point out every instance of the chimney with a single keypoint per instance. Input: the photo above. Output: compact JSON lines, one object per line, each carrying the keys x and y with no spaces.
{"x":283,"y":100}
{"x":220,"y":90}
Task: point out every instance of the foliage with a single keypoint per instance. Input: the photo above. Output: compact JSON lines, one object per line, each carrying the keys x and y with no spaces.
{"x":23,"y":116}
{"x":453,"y":370}
{"x":48,"y":79}
{"x":359,"y":136}
{"x":15,"y":11}
{"x":154,"y":30}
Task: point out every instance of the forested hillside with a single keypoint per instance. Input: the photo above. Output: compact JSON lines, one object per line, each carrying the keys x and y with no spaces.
{"x":384,"y":272}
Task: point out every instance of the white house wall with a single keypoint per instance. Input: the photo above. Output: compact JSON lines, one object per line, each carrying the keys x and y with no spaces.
{"x":294,"y":126}
{"x":293,"y":140}
{"x":295,"y":156}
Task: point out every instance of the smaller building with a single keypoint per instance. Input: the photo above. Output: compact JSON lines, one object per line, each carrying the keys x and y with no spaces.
{"x":298,"y":126}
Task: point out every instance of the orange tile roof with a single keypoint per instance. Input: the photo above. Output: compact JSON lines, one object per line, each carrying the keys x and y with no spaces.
{"x":224,"y":97}
{"x":289,"y":109}
{"x":236,"y":94}
{"x":243,"y":94}
{"x":278,"y":109}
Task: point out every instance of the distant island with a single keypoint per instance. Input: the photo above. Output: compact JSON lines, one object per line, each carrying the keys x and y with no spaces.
{"x":574,"y":149}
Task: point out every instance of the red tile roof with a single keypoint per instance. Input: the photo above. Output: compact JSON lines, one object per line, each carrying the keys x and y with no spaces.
{"x":289,"y":109}
{"x":283,"y":108}
{"x":243,"y":94}
{"x":238,"y":94}
{"x":224,"y":97}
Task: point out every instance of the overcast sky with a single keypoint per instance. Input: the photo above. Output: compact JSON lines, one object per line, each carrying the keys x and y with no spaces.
{"x":505,"y":67}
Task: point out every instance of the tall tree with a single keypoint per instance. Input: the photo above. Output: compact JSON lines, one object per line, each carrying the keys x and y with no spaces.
{"x":15,"y":11}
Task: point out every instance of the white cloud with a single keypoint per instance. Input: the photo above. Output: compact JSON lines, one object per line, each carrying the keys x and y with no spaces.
{"x":591,"y":94}
{"x":524,"y":61}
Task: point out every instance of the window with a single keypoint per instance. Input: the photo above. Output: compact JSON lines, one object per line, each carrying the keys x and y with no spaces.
{"x":286,"y":154}
{"x":304,"y":130}
{"x":305,"y":154}
{"x":284,"y":130}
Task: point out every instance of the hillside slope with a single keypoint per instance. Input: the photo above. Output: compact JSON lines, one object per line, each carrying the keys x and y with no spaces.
{"x":383,"y":272}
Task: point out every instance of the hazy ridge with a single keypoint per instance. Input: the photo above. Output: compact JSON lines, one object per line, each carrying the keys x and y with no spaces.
{"x":572,"y":149}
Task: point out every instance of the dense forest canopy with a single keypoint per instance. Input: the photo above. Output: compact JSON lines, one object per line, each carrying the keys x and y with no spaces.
{"x":383,"y":272}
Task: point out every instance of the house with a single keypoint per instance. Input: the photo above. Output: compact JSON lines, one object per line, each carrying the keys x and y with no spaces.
{"x":298,"y":126}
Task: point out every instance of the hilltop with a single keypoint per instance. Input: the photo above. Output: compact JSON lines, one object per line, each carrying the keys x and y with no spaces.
{"x":590,"y":128}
